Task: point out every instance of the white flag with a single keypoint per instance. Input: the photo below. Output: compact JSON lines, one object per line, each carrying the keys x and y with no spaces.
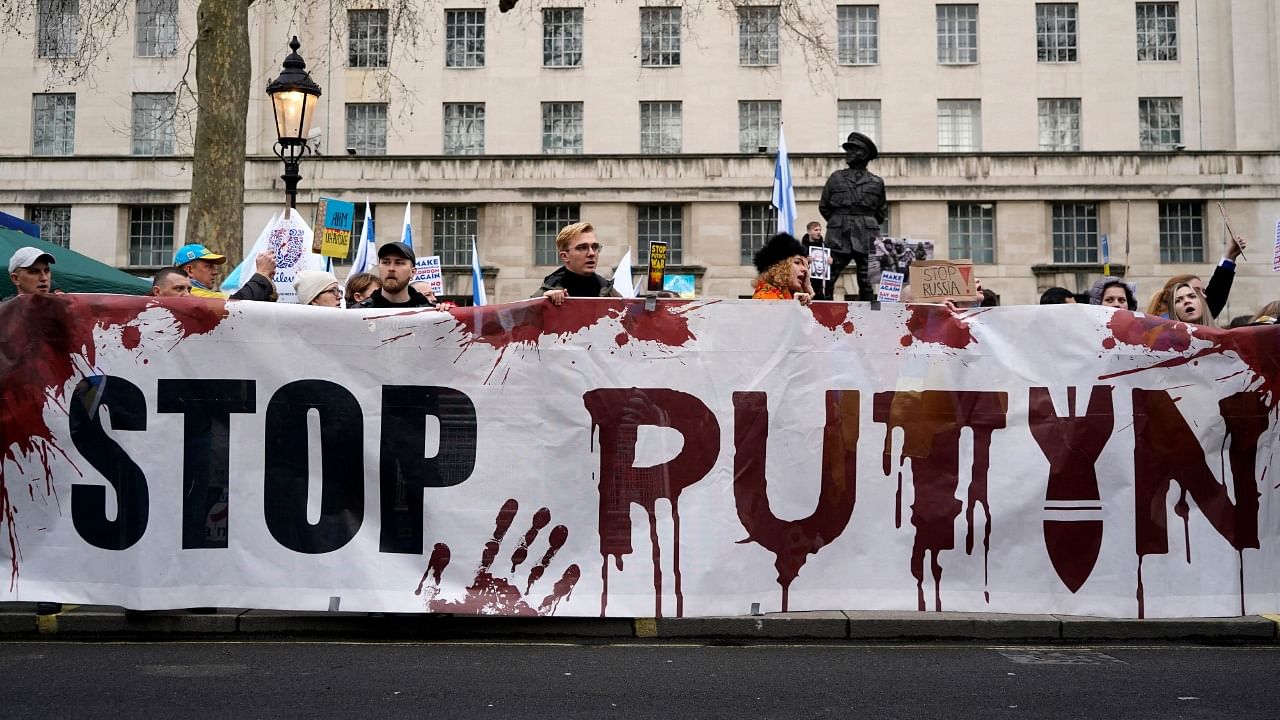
{"x":622,"y":276}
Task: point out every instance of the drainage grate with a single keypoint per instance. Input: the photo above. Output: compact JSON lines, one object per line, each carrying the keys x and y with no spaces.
{"x":1059,"y":657}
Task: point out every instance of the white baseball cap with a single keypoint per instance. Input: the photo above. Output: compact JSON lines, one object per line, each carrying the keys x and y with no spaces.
{"x":27,"y":256}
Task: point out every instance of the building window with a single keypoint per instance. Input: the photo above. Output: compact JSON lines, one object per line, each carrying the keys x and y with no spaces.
{"x":561,"y":128}
{"x":1157,"y":31}
{"x":464,"y":128}
{"x":971,"y":232}
{"x":53,"y":124}
{"x":157,"y":28}
{"x":757,"y":223}
{"x":1075,"y":232}
{"x":1159,"y":123}
{"x":758,"y":35}
{"x":547,"y":221}
{"x":151,"y":235}
{"x":366,"y":38}
{"x":957,"y":34}
{"x":858,"y":116}
{"x":659,"y":36}
{"x":453,"y":228}
{"x":57,"y":28}
{"x":54,"y":222}
{"x":562,"y":37}
{"x":1060,"y":124}
{"x":1056,"y":39}
{"x":367,"y":128}
{"x":661,"y":127}
{"x":858,"y":34}
{"x":959,"y":126}
{"x":660,"y":222}
{"x":464,"y":38}
{"x":1181,"y":232}
{"x":758,"y":125}
{"x":153,"y":121}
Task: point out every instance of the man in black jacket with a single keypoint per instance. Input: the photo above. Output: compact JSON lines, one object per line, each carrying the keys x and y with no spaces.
{"x":579,"y":251}
{"x":395,"y":268}
{"x":201,"y":266}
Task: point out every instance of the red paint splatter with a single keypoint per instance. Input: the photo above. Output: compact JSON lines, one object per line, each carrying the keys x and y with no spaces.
{"x":1258,"y":347}
{"x":793,"y":541}
{"x":931,"y":422}
{"x":41,"y":339}
{"x":832,"y":316}
{"x":616,"y":415}
{"x":490,"y":595}
{"x":937,"y":324}
{"x":1166,"y":450}
{"x":527,"y":322}
{"x":1072,"y":444}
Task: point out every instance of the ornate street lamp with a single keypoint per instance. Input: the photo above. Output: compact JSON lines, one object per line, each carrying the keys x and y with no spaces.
{"x":293,"y":97}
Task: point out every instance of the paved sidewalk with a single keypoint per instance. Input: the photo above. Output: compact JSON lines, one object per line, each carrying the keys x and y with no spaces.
{"x":96,"y":622}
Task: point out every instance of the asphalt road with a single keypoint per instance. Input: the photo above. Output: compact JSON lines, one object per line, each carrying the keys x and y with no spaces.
{"x":507,"y":680}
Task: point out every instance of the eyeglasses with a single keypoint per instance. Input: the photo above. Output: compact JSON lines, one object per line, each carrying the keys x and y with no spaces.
{"x":334,"y":291}
{"x":594,"y":247}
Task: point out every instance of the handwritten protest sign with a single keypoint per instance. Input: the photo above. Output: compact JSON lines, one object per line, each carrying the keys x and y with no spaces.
{"x":936,"y":281}
{"x":890,"y":287}
{"x":428,"y":269}
{"x":334,"y":218}
{"x":657,"y":264}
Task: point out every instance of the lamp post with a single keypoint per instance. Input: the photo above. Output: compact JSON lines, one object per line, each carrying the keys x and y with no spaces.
{"x":293,"y":98}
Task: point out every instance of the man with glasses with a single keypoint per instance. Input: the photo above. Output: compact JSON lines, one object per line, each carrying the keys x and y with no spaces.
{"x":579,"y":251}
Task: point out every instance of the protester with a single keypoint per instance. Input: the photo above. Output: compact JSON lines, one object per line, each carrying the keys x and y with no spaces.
{"x":317,"y":287}
{"x":424,"y":287}
{"x":577,"y":277}
{"x":29,"y":271}
{"x":360,"y":286}
{"x":395,"y":271}
{"x":1187,"y":305}
{"x":1111,"y":291}
{"x":813,"y":238}
{"x":1057,"y":296}
{"x":1240,"y":321}
{"x":170,"y":282}
{"x":989,"y":298}
{"x":783,"y":265}
{"x":1215,"y":293}
{"x":1268,"y":315}
{"x":201,"y":265}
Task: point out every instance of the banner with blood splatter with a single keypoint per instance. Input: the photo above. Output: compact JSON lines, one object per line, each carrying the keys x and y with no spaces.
{"x":603,"y":458}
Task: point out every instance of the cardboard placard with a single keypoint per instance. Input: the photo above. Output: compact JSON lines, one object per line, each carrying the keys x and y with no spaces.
{"x":935,"y":281}
{"x":429,"y":269}
{"x":334,"y":220}
{"x":657,"y":265}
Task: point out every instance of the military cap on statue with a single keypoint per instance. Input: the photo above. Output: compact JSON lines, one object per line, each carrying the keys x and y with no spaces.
{"x":857,"y":139}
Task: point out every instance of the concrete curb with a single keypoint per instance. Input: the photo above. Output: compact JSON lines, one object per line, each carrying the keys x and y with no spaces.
{"x":20,"y":621}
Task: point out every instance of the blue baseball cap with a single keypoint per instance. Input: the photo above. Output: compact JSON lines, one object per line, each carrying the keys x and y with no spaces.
{"x":193,"y":252}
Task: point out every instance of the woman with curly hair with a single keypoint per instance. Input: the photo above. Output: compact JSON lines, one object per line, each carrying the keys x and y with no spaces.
{"x":784,"y":271}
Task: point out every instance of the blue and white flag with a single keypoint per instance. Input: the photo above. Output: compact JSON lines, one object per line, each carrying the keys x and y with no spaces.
{"x":622,"y":276}
{"x":477,"y":278}
{"x":784,"y":193}
{"x":367,"y":253}
{"x":406,"y":233}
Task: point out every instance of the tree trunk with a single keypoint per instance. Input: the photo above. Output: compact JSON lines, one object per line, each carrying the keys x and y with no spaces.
{"x":223,"y":73}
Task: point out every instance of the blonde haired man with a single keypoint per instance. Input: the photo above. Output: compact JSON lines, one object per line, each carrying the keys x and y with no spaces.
{"x":577,"y":277}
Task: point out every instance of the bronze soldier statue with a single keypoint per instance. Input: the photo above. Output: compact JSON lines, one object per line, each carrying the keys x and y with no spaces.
{"x":854,"y":205}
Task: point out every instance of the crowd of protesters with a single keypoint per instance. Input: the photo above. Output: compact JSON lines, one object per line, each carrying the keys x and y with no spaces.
{"x":782,"y":266}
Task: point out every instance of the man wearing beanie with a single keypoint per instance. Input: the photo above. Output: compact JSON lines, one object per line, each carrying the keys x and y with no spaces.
{"x":395,"y":269}
{"x":317,"y":287}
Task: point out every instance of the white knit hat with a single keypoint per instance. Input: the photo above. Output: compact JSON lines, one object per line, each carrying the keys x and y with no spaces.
{"x":310,"y":283}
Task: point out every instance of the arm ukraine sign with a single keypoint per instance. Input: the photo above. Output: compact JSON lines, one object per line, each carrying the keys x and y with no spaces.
{"x":604,"y":459}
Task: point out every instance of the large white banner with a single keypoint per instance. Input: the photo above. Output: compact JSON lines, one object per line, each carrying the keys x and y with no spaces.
{"x":604,"y":459}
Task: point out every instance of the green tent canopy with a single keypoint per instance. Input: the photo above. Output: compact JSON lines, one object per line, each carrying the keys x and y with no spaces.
{"x":73,"y":272}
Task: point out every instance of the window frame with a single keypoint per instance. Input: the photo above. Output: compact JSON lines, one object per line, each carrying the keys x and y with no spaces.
{"x":453,"y":248}
{"x":1181,"y":236}
{"x":56,"y":230}
{"x":855,"y":43}
{"x":850,"y":117}
{"x":658,"y":118}
{"x":63,"y":116}
{"x":360,"y":130}
{"x":948,"y":109}
{"x":1054,"y":42}
{"x":1068,"y":229}
{"x":572,"y":114}
{"x":953,"y":30}
{"x":758,"y":34}
{"x":1166,"y":132}
{"x":464,"y":45}
{"x":459,"y":123}
{"x":1050,"y":122}
{"x":757,"y":222}
{"x":653,"y":228}
{"x":156,"y":33}
{"x":749,"y":127}
{"x":971,"y":232}
{"x":1148,"y":28}
{"x":655,"y":38}
{"x":159,"y":248}
{"x":60,"y":39}
{"x":153,"y":128}
{"x":562,"y":37}
{"x":367,"y":39}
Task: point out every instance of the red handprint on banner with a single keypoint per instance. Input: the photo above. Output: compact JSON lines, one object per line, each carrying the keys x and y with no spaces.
{"x":489,"y":595}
